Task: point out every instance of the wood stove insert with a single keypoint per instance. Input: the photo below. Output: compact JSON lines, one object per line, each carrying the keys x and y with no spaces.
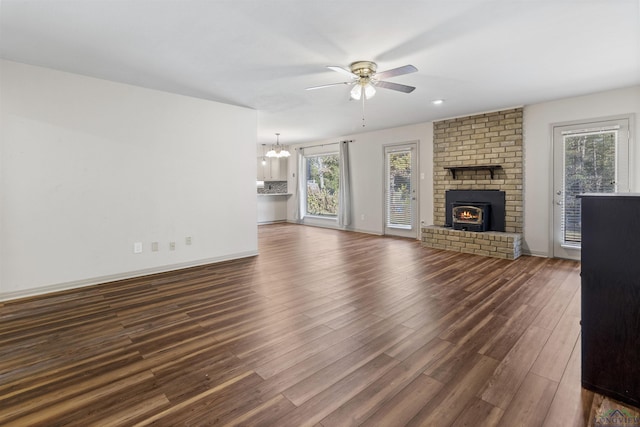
{"x":494,"y":216}
{"x":470,"y":216}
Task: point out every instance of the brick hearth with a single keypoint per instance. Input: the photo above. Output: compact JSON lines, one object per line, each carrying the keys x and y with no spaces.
{"x":488,"y":243}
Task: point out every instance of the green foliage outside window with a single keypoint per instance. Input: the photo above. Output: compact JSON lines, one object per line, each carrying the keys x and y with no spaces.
{"x":399,"y":189}
{"x":323,"y":175}
{"x":590,"y":167}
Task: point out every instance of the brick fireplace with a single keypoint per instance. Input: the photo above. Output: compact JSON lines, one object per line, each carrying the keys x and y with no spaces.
{"x":482,"y":152}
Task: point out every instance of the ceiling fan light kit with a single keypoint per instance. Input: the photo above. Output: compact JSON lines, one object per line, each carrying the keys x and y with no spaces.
{"x":365,"y":79}
{"x":364,"y":71}
{"x":367,"y":88}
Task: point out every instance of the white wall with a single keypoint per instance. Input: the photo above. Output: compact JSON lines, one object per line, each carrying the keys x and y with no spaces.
{"x":367,"y":175}
{"x":90,"y":166}
{"x":538,"y":174}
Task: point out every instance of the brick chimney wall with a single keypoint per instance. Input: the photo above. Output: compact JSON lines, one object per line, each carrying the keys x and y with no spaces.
{"x":484,"y":139}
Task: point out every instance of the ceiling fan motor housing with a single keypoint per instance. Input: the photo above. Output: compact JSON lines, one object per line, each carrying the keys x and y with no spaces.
{"x":363,"y":69}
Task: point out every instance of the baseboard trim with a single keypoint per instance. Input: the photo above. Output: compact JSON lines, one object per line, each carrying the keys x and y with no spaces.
{"x":42,"y":290}
{"x":535,"y":253}
{"x":335,"y":227}
{"x":360,"y":230}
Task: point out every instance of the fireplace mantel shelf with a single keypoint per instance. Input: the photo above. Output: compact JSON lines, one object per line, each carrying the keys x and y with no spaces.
{"x":490,"y":168}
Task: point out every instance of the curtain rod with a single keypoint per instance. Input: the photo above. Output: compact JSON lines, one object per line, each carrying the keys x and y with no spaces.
{"x":322,"y":145}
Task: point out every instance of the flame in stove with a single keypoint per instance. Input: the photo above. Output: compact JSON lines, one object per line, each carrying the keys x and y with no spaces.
{"x":467,"y":215}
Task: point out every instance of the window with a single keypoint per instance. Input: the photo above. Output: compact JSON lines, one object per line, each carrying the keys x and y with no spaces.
{"x":322,"y":175}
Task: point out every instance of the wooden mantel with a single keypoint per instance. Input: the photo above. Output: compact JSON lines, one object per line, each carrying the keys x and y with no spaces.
{"x":490,"y":168}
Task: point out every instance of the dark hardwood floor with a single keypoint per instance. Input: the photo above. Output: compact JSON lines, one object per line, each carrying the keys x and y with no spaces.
{"x":323,"y":328}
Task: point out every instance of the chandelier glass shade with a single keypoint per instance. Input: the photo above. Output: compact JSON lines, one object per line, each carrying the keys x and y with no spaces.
{"x":278,"y":150}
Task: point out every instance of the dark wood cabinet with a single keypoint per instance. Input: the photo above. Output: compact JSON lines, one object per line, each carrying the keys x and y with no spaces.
{"x":611,"y":295}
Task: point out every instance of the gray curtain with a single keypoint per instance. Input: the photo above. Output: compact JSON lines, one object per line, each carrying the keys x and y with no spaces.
{"x":298,"y":212}
{"x":344,"y":202}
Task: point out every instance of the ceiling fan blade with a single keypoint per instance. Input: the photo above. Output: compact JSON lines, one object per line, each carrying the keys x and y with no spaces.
{"x":329,"y":85}
{"x":396,"y":72}
{"x":395,"y":86}
{"x":342,"y":71}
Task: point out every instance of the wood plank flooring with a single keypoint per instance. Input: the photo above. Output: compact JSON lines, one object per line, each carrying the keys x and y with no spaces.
{"x":323,"y":328}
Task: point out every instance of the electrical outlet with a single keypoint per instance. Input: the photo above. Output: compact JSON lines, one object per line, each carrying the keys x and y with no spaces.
{"x":137,"y":248}
{"x":172,"y":246}
{"x":187,"y":240}
{"x":154,"y":246}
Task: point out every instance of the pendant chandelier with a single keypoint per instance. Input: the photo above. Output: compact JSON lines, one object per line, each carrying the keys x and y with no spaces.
{"x":278,"y":150}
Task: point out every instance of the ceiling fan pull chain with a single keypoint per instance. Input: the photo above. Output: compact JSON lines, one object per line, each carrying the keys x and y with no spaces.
{"x":363,"y":98}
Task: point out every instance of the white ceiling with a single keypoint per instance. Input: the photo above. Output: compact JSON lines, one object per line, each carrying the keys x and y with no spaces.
{"x":478,"y":55}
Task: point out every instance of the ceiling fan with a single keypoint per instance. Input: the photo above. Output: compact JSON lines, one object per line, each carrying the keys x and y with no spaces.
{"x":365,"y":79}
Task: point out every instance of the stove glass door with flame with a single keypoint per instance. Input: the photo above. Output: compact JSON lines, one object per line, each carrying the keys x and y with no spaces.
{"x":467,"y":214}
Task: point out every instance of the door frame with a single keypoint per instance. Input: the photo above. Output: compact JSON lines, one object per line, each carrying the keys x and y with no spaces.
{"x":415,"y":145}
{"x":630,"y":118}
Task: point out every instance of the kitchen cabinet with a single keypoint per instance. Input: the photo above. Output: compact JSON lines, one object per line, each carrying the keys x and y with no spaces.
{"x":272,"y":208}
{"x":610,"y":291}
{"x":275,"y":169}
{"x":264,"y":171}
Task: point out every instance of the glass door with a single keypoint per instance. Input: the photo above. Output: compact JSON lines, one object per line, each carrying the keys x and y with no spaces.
{"x":589,"y":157}
{"x":401,"y":190}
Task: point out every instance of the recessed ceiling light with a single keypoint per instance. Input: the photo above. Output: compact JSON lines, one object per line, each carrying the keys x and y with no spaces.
{"x":437,"y":101}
